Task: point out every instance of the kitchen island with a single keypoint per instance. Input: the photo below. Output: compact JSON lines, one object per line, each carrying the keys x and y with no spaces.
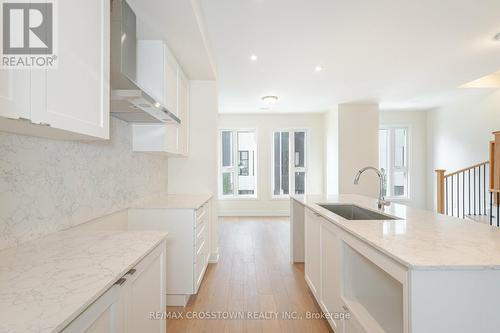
{"x":414,"y":272}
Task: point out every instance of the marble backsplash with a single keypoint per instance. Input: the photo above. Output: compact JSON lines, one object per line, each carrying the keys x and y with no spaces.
{"x":47,"y":185}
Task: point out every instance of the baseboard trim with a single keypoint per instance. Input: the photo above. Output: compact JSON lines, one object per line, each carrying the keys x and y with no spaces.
{"x":284,"y":213}
{"x":214,"y":257}
{"x":177,"y":300}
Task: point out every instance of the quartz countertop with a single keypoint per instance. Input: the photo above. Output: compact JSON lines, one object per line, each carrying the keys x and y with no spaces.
{"x":48,"y":282}
{"x":172,"y":201}
{"x":421,"y":239}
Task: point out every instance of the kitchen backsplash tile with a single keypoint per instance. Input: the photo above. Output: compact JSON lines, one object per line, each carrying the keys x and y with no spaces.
{"x":47,"y":185}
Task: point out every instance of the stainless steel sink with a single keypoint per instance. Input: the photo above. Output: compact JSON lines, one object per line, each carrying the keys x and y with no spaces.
{"x":353,"y":212}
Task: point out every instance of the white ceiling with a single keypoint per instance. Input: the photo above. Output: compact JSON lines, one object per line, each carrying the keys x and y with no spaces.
{"x":404,"y":54}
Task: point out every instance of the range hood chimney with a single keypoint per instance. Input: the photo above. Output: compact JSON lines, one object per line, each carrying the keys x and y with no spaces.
{"x":129,"y":101}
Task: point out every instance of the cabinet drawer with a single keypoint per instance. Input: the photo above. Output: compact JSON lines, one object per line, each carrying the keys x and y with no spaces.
{"x":352,"y":326}
{"x":201,"y":233}
{"x":200,"y":250}
{"x":201,"y":214}
{"x":200,"y":224}
{"x":199,"y":267}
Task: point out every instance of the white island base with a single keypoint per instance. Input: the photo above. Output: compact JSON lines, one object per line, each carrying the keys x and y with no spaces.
{"x":391,"y":275}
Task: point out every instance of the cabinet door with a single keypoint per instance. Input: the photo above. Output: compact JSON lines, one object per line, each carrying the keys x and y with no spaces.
{"x":313,"y":252}
{"x":75,"y":95}
{"x":183,"y":114}
{"x":330,"y":271}
{"x":171,"y":82}
{"x":104,"y":316}
{"x":150,"y":68}
{"x":146,"y":293}
{"x":350,"y":327}
{"x":15,"y":93}
{"x":172,"y":138}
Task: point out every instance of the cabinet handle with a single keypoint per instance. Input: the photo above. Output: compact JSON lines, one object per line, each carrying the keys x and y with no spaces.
{"x":132,"y":271}
{"x":346,"y":309}
{"x":121,"y":281}
{"x":317,"y":214}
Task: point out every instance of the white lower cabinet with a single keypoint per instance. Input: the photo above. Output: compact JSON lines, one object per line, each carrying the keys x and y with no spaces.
{"x":322,"y":266}
{"x":188,"y":245}
{"x":350,"y":326}
{"x":350,"y":280}
{"x":106,"y":315}
{"x":127,"y":306}
{"x":145,"y":292}
{"x":330,"y":300}
{"x":313,"y":252}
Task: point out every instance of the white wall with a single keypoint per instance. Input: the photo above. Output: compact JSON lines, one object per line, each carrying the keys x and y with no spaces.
{"x":357,"y":147}
{"x":331,"y":151}
{"x":48,"y":185}
{"x":459,"y":134}
{"x":417,"y":123}
{"x":264,"y":205}
{"x":197,"y":174}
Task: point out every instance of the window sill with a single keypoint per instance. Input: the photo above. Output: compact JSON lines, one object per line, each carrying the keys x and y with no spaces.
{"x":280,"y":198}
{"x":240,"y":198}
{"x":398,"y":199}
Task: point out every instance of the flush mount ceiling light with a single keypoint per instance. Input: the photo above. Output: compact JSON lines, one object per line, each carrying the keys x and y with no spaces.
{"x":497,"y":37}
{"x":270,"y":99}
{"x":318,"y":68}
{"x":253,"y":57}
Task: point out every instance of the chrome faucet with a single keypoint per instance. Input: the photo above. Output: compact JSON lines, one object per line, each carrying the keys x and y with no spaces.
{"x":381,"y":176}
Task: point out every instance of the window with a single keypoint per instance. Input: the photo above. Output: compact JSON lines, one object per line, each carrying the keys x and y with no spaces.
{"x":237,"y":164}
{"x":289,"y":163}
{"x":393,"y":159}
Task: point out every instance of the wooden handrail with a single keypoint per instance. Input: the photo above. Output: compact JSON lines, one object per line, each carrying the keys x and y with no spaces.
{"x":440,"y":190}
{"x":441,"y":178}
{"x":466,"y":169}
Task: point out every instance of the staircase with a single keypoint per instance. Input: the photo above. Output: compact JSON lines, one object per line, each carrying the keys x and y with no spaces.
{"x":464,"y":193}
{"x":474,"y":192}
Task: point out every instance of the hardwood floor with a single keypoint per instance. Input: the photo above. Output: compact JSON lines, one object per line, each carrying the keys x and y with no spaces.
{"x":253,"y":275}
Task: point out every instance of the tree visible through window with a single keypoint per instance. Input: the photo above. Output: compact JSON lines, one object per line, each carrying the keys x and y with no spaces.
{"x":237,"y":163}
{"x":289,"y":162}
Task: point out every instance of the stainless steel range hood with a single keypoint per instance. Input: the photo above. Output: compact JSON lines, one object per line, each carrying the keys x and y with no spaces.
{"x":129,"y":101}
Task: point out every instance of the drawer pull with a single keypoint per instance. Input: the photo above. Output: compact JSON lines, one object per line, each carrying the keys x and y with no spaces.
{"x":132,"y":271}
{"x":121,"y":281}
{"x":346,"y":309}
{"x":317,"y":214}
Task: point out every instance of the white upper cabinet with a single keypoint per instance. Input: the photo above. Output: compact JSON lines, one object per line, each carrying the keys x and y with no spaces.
{"x":157,"y":72}
{"x":183,"y":114}
{"x":151,"y":68}
{"x":71,"y":101}
{"x":15,"y":93}
{"x":172,"y":82}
